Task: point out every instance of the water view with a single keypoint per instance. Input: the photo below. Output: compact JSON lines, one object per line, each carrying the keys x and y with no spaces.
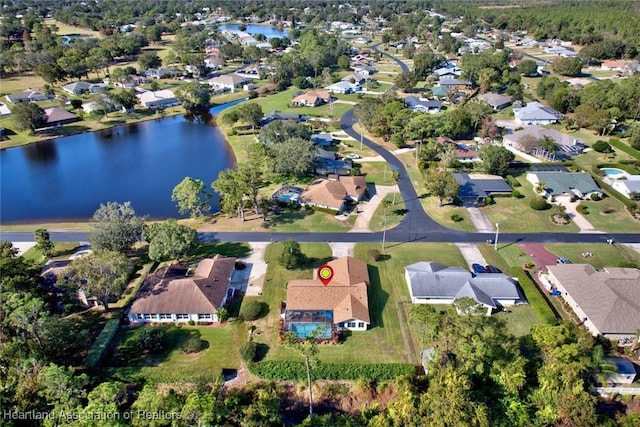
{"x":67,"y":179}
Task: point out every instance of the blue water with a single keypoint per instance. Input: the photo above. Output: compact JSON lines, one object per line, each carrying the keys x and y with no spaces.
{"x":611,"y":171}
{"x":68,"y":178}
{"x":302,"y":330}
{"x":253,"y":29}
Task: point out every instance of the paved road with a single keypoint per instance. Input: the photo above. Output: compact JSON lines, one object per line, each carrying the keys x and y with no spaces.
{"x":402,"y":65}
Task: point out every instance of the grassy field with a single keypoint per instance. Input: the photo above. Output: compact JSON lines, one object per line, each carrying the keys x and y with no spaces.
{"x":377,"y":172}
{"x":610,"y":215}
{"x":61,"y":250}
{"x":395,"y":213}
{"x":603,"y":255}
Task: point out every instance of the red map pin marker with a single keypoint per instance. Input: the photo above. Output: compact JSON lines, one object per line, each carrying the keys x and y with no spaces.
{"x":325,"y":274}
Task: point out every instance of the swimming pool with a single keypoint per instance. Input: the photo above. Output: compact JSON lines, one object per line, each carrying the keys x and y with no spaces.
{"x":303,"y":330}
{"x":612,"y":171}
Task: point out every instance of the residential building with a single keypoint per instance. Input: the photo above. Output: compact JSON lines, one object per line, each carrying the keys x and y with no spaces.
{"x":496,"y":100}
{"x":535,"y":113}
{"x":160,"y":73}
{"x":313,"y":98}
{"x":4,"y":110}
{"x":80,"y":87}
{"x":453,"y":83}
{"x":158,"y":99}
{"x":341,"y":305}
{"x":174,"y":296}
{"x":279,"y":115}
{"x":364,"y":69}
{"x":343,"y":87}
{"x":334,"y":194}
{"x":627,"y":185}
{"x":607,"y":302}
{"x":323,"y":139}
{"x":613,"y":65}
{"x":229,"y":81}
{"x":422,"y":105}
{"x":28,"y":95}
{"x":355,"y":78}
{"x":530,"y":138}
{"x":474,"y":188}
{"x":58,"y":117}
{"x":450,"y":72}
{"x":433,"y":283}
{"x":565,"y":184}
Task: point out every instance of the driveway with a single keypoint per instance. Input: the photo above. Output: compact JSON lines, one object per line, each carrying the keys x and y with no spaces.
{"x":250,"y":279}
{"x":480,"y":222}
{"x":471,"y":254}
{"x":578,"y":219}
{"x":342,"y":249}
{"x":540,"y":255}
{"x":366,"y":209}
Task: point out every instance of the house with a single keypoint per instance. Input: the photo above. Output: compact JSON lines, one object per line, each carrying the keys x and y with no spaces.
{"x":334,"y":194}
{"x":4,"y":110}
{"x":627,"y":185}
{"x":535,"y":113}
{"x":476,"y":187}
{"x":28,"y":95}
{"x":160,"y":73}
{"x":213,"y":61}
{"x":530,"y":139}
{"x":343,"y":87}
{"x":440,"y":92}
{"x":422,"y":105}
{"x":559,"y":184}
{"x":448,"y":72}
{"x":496,"y":100}
{"x":606,"y":301}
{"x":364,"y":69}
{"x":229,"y":81}
{"x":313,"y":98}
{"x":341,"y":305}
{"x":174,"y":296}
{"x":625,"y":371}
{"x":58,"y":117}
{"x":452,"y":83}
{"x":433,"y":283}
{"x":76,"y":88}
{"x":323,"y":139}
{"x":158,"y":99}
{"x":613,"y":65}
{"x":339,"y":167}
{"x":560,"y":51}
{"x":355,"y":78}
{"x":279,"y":115}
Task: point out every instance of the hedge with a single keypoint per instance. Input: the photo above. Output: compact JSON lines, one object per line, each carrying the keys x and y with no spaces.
{"x":624,"y":147}
{"x":630,"y":204}
{"x":534,"y":296}
{"x":98,"y":349}
{"x":296,"y":371}
{"x":512,"y":181}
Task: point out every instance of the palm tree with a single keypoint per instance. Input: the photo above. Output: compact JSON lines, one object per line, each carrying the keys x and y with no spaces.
{"x":601,"y":367}
{"x":540,"y":187}
{"x":395,"y":176}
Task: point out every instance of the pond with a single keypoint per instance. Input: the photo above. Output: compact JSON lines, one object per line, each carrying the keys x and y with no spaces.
{"x":253,"y":29}
{"x":67,"y":179}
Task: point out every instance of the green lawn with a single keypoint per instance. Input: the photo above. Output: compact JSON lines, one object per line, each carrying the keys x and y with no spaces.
{"x":220,"y":352}
{"x":603,"y":255}
{"x":377,"y":172}
{"x":60,"y":250}
{"x":395,"y":213}
{"x":610,"y":215}
{"x":307,"y":220}
{"x":520,"y":319}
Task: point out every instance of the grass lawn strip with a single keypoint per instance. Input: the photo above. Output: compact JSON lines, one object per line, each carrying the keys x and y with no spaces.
{"x":395,"y":213}
{"x":603,"y":255}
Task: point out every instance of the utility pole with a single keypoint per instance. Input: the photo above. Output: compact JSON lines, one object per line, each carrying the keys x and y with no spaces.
{"x":361,"y":137}
{"x":495,"y":242}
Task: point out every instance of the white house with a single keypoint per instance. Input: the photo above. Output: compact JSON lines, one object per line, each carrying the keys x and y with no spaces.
{"x":229,"y":81}
{"x":433,"y":283}
{"x":535,"y":113}
{"x":28,"y":95}
{"x":343,"y":87}
{"x":158,"y":99}
{"x":79,"y":87}
{"x":172,"y":296}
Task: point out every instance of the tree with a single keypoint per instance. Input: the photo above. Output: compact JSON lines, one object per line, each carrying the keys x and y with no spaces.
{"x":151,"y":401}
{"x":291,"y":256}
{"x":528,"y":67}
{"x":191,"y":197}
{"x":295,"y":156}
{"x":115,"y":227}
{"x":29,"y":116}
{"x":406,"y":81}
{"x":229,"y":186}
{"x":441,"y":184}
{"x":567,"y":66}
{"x":103,"y":102}
{"x":43,"y":242}
{"x":309,"y":350}
{"x":495,"y":159}
{"x":279,"y":131}
{"x":344,"y":62}
{"x":153,"y":339}
{"x":248,"y":351}
{"x":148,"y":60}
{"x":169,"y":240}
{"x":251,"y":113}
{"x":634,"y":136}
{"x":102,"y":274}
{"x":230,"y":118}
{"x":127,"y":98}
{"x":251,"y":310}
{"x":194,"y":97}
{"x":51,"y":72}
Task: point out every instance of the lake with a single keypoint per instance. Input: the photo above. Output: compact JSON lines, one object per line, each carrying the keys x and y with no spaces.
{"x":253,"y":29}
{"x":66,"y":179}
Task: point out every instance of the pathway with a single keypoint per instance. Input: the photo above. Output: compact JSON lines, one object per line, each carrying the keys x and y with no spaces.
{"x":367,"y":209}
{"x":577,"y":218}
{"x":252,"y":278}
{"x":471,"y":254}
{"x":480,"y":222}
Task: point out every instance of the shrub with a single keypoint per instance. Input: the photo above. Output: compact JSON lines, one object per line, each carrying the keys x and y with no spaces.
{"x":251,"y":310}
{"x":628,"y":264}
{"x":512,"y":181}
{"x":153,"y":339}
{"x":76,"y":103}
{"x":456,"y":217}
{"x":191,"y":323}
{"x":294,"y":370}
{"x":252,"y":94}
{"x":223,"y":314}
{"x":488,"y":201}
{"x":374,"y":255}
{"x":539,"y":204}
{"x":582,"y":209}
{"x":516,"y":194}
{"x":602,"y":147}
{"x":248,"y":351}
{"x":595,"y":197}
{"x":192,"y":345}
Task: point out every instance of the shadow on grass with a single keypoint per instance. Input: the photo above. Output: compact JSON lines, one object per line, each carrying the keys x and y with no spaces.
{"x":261,"y":352}
{"x":210,"y":249}
{"x":378,"y":298}
{"x":316,"y":262}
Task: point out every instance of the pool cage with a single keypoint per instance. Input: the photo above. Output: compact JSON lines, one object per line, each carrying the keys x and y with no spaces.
{"x":308,"y":323}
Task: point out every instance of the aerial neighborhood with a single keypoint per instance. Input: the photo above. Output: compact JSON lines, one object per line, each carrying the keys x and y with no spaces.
{"x":320,"y":213}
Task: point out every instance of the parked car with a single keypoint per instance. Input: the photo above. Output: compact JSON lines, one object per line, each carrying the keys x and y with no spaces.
{"x":352,"y":156}
{"x":477,"y":268}
{"x":563,"y":260}
{"x":492,"y":269}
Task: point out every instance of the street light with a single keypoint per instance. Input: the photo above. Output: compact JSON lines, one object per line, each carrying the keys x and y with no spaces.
{"x":495,"y":243}
{"x":361,"y":136}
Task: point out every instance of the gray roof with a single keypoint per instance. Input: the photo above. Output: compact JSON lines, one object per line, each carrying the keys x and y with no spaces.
{"x":610,"y":298}
{"x":536,"y":111}
{"x":414,"y":101}
{"x":80,"y":85}
{"x":495,"y":99}
{"x":540,"y":132}
{"x":565,"y":182}
{"x":447,"y":81}
{"x":475,"y":186}
{"x":433,"y":280}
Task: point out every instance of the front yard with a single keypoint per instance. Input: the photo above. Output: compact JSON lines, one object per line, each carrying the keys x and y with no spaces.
{"x":603,"y":255}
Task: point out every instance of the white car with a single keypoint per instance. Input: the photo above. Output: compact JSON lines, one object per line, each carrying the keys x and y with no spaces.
{"x":353,"y":156}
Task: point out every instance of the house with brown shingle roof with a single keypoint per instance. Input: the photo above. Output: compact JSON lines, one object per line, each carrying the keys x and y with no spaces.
{"x":173,"y":296}
{"x":607,"y":302}
{"x":334,"y":194}
{"x":313,"y":98}
{"x":341,"y":305}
